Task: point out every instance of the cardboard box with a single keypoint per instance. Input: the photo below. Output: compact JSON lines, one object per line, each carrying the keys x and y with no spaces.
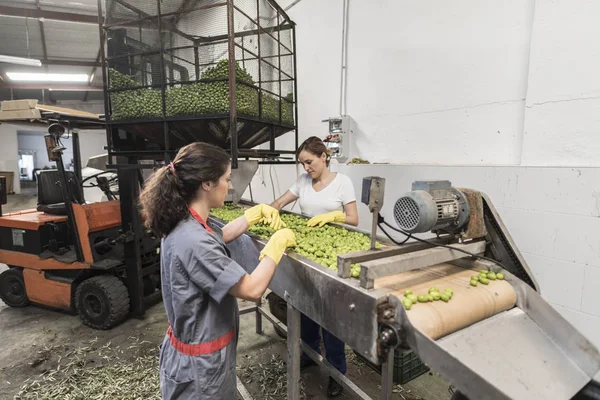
{"x":20,"y":114}
{"x":15,"y":105}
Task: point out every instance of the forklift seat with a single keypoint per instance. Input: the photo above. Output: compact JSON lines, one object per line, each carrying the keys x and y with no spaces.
{"x":50,"y":198}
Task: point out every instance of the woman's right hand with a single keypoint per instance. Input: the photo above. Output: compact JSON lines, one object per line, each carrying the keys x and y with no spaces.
{"x":275,"y":247}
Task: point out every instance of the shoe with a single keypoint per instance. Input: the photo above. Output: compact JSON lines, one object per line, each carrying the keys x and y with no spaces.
{"x":306,"y":363}
{"x":334,"y":389}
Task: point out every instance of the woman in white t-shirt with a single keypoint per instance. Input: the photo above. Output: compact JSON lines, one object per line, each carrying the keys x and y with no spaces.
{"x":326,"y":197}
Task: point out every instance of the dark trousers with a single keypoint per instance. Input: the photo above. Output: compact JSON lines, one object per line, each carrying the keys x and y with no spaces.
{"x":334,"y":347}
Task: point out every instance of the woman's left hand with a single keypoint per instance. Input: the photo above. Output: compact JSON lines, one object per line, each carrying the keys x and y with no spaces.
{"x":334,"y":216}
{"x":265,"y":214}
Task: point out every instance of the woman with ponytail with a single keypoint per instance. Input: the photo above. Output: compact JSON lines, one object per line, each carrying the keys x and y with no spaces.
{"x":200,"y":282}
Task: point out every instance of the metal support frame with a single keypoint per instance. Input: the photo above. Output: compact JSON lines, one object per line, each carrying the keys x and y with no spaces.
{"x":241,"y":389}
{"x":67,"y":196}
{"x":238,"y":142}
{"x":35,"y":13}
{"x":345,"y":261}
{"x":387,"y":372}
{"x":296,"y":346}
{"x":294,"y":354}
{"x":77,"y":160}
{"x":371,"y":270}
{"x":233,"y":134}
{"x":132,"y":228}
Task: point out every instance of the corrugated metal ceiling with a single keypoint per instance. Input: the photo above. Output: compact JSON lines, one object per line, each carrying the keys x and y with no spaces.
{"x":65,"y":42}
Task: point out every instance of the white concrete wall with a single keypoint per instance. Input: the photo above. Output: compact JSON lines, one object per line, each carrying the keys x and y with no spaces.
{"x":9,"y":153}
{"x":92,"y":143}
{"x":445,"y":85}
{"x":562,"y":123}
{"x":500,"y":96}
{"x":34,"y":141}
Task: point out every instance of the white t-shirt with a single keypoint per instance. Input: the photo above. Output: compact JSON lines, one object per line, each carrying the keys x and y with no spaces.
{"x":334,"y":196}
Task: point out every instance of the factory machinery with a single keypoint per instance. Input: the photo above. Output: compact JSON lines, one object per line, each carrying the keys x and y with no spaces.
{"x":497,"y":341}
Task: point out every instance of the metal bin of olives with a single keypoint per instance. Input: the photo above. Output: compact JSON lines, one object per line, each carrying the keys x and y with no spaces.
{"x":167,"y":67}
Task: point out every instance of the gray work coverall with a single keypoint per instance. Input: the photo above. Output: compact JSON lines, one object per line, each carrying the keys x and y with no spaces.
{"x":196,"y":274}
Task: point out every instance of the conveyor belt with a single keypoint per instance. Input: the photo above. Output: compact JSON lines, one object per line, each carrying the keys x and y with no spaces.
{"x":468,"y":306}
{"x":500,"y":341}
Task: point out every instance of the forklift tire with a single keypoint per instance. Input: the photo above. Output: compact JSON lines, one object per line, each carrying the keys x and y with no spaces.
{"x":102,"y":301}
{"x":12,"y":288}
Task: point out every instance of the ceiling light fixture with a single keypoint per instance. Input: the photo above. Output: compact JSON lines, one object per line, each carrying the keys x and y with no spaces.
{"x":42,"y":77}
{"x":21,"y":61}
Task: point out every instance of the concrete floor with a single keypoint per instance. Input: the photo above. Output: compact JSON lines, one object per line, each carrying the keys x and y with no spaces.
{"x":26,"y":332}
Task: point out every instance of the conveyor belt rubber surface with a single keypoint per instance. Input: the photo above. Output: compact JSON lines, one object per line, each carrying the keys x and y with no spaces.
{"x":468,"y":305}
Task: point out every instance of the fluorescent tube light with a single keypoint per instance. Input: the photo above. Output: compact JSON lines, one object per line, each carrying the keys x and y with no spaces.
{"x":21,"y":61}
{"x":42,"y":77}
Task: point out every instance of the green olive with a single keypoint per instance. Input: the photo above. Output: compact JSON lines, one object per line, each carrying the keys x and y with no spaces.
{"x":484,"y":281}
{"x":445,"y":298}
{"x":407,"y":292}
{"x":500,"y":276}
{"x":475,"y":278}
{"x":422,"y":299}
{"x":474,"y":282}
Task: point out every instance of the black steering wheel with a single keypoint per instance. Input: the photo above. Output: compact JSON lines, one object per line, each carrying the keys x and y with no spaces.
{"x":108,"y":185}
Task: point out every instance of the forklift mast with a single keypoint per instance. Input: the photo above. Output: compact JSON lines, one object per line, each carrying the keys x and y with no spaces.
{"x":55,"y":149}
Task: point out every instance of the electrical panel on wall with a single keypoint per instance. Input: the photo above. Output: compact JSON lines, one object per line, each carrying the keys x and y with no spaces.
{"x":338,"y":137}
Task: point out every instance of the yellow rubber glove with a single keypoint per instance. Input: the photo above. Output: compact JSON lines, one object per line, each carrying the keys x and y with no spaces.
{"x":265,"y":214}
{"x":334,"y":216}
{"x":276,"y":246}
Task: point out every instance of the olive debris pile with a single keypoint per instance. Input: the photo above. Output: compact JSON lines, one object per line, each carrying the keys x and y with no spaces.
{"x":321,"y":245}
{"x":434,"y":294}
{"x":485,"y":276}
{"x":95,"y":371}
{"x":208,"y":97}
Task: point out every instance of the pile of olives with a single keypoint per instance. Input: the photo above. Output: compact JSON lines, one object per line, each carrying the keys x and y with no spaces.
{"x":321,"y":245}
{"x":210,"y":96}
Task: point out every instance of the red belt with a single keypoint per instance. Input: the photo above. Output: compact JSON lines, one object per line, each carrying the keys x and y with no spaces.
{"x":200,"y":348}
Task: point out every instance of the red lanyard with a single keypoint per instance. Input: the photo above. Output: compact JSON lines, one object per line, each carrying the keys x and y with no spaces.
{"x":201,"y":220}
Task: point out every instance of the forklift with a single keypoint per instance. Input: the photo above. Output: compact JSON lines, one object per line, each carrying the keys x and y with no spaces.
{"x":72,"y":256}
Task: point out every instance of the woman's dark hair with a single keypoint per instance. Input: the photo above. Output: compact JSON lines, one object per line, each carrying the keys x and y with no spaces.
{"x":167,"y":193}
{"x":315,"y":146}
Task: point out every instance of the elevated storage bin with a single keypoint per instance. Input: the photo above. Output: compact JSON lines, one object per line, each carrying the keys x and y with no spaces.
{"x":170,"y":60}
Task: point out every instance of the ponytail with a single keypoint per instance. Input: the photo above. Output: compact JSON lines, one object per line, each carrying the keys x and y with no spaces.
{"x":167,"y":193}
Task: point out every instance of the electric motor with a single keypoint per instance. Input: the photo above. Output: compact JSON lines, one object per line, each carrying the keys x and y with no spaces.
{"x":432,"y":206}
